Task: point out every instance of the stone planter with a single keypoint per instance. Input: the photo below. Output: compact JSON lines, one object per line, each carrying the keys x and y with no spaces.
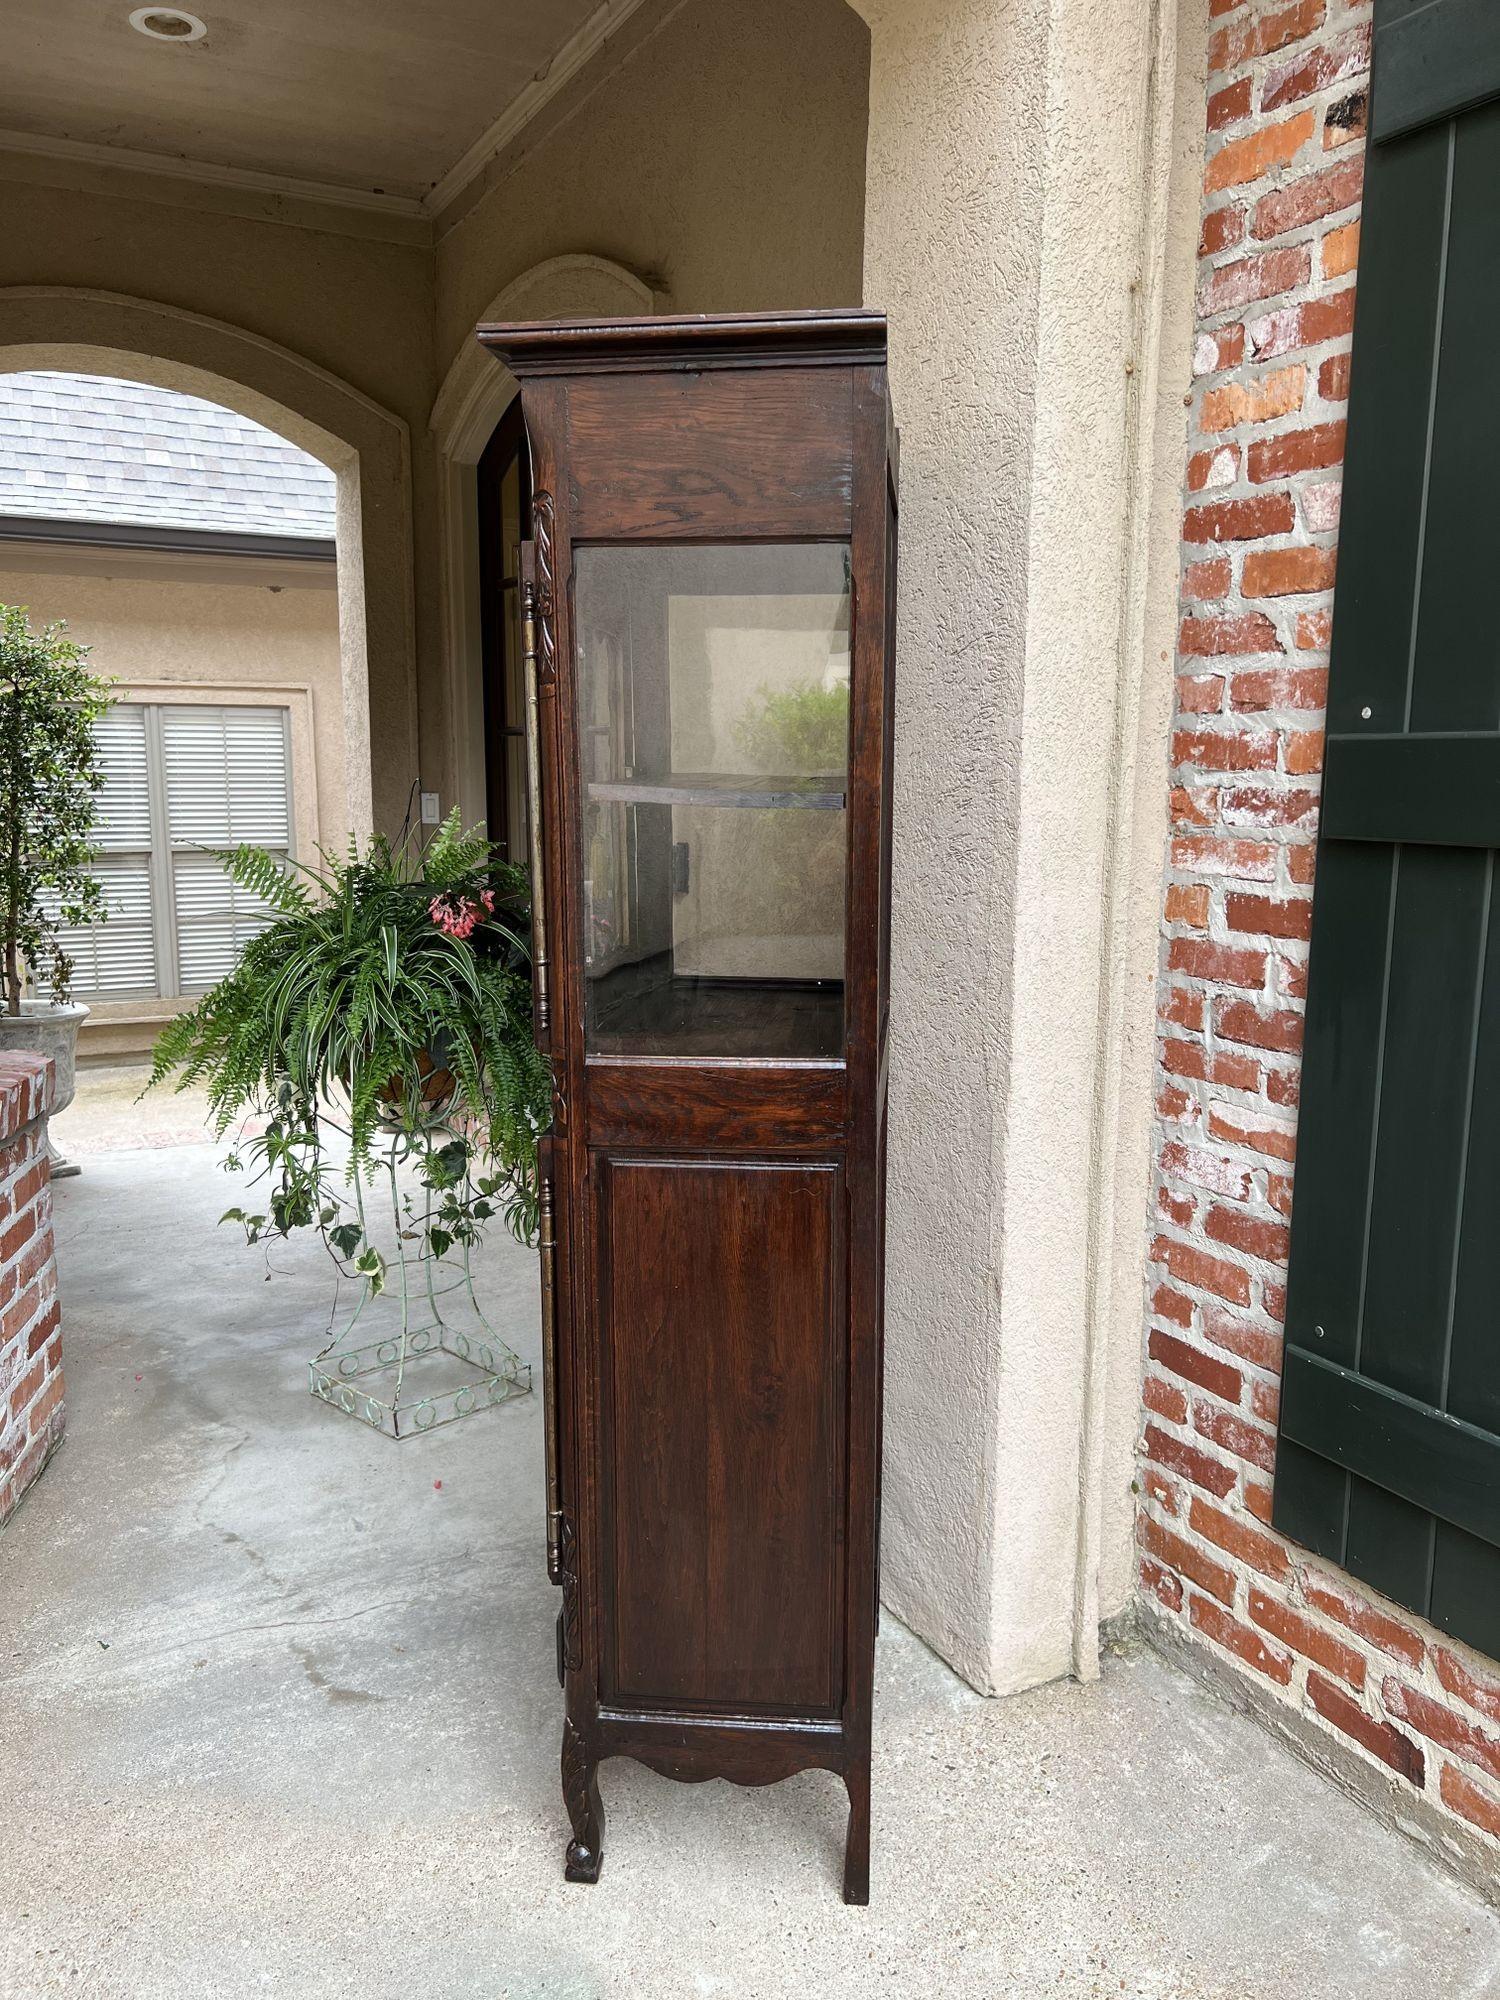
{"x":46,"y":1030}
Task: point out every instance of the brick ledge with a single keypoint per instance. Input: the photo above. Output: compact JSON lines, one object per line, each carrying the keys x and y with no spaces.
{"x":27,"y":1084}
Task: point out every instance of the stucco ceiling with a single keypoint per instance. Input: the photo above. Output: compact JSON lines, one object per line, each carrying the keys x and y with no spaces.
{"x":366,"y":95}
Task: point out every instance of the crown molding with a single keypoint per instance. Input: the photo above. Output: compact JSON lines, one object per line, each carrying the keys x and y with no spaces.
{"x":207,"y":173}
{"x":580,"y":46}
{"x":578,"y":50}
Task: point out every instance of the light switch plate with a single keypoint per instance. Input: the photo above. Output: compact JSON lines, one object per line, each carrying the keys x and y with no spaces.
{"x":430,"y":814}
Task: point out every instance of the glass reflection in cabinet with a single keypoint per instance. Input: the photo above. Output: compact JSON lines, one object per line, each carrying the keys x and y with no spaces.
{"x":713,"y":687}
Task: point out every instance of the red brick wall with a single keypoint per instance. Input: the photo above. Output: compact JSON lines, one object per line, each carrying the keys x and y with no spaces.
{"x":31,"y":1382}
{"x":1279,"y":244}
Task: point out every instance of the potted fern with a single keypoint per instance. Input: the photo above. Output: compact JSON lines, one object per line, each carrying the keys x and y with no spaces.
{"x":387,"y":1000}
{"x":50,"y":779}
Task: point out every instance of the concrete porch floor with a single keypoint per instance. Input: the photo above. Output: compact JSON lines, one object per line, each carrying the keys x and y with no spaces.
{"x":278,"y":1715}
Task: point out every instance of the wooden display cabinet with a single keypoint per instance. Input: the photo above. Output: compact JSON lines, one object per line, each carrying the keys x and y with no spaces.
{"x":708,"y":602}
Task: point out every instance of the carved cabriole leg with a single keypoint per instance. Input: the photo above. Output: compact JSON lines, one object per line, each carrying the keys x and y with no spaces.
{"x":857,"y":1847}
{"x":580,"y":1782}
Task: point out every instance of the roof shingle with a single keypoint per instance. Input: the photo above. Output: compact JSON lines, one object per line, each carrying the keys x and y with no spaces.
{"x":92,"y":448}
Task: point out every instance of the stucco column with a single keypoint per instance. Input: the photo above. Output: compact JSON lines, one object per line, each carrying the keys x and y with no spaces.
{"x":1016,"y":216}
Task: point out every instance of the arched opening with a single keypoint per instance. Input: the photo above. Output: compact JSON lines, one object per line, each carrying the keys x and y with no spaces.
{"x":466,"y":418}
{"x":193,"y":550}
{"x":364,"y":447}
{"x":211,"y":390}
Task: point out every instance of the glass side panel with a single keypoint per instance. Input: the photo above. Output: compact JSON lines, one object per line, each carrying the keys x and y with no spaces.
{"x":713,"y":689}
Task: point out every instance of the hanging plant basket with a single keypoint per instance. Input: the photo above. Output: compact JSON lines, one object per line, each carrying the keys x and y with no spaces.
{"x":380,"y":1027}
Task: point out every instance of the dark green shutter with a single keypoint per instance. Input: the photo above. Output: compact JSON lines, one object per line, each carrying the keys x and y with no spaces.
{"x":1389,"y":1454}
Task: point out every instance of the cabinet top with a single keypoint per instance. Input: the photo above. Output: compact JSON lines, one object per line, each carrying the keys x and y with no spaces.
{"x":688,"y":341}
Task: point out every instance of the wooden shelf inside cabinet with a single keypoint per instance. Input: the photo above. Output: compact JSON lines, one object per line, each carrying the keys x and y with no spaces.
{"x":714,"y":788}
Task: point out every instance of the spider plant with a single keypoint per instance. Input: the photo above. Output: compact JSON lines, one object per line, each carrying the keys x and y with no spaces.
{"x":387,"y":1002}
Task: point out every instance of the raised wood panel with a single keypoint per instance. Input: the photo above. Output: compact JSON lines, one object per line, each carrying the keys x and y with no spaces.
{"x":722,"y":1324}
{"x":716,"y":1106}
{"x":750,"y":454}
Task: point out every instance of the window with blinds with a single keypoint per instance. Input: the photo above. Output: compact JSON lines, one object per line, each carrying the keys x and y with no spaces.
{"x":179,"y":784}
{"x":117,"y":958}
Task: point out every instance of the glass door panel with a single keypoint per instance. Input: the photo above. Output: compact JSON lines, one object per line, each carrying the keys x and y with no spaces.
{"x":713,"y":748}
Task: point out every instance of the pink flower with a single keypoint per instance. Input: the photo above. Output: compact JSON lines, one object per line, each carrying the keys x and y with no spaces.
{"x":457,"y":915}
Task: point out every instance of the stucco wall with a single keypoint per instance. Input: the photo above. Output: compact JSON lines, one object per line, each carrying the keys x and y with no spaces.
{"x":724,"y":160}
{"x":356,"y":306}
{"x":152,"y":633}
{"x":1026,"y":231}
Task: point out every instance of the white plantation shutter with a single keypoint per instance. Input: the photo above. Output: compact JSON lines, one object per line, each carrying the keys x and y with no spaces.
{"x":124,"y":805}
{"x":227,"y":782}
{"x":117,"y":959}
{"x":226,"y":771}
{"x":178,"y":781}
{"x":215,"y":920}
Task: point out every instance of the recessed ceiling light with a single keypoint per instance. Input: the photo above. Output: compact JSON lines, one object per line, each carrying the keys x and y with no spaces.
{"x":168,"y":24}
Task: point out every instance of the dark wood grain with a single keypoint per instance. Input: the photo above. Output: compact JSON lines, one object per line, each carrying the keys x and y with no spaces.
{"x":497,"y":636}
{"x":721,"y":455}
{"x":722,"y":1462}
{"x":719,"y":1215}
{"x":753,"y":1106}
{"x":580,"y":1781}
{"x":749,"y":1750}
